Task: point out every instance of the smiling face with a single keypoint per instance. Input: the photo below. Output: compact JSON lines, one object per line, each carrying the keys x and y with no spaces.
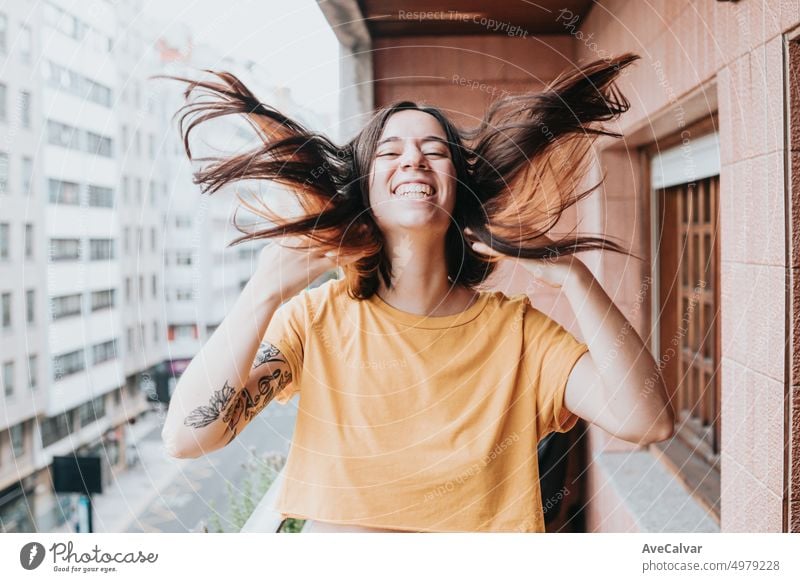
{"x":412,"y":184}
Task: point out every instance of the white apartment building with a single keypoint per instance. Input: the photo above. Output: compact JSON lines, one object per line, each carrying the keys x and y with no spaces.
{"x":24,"y":353}
{"x":143,"y":195}
{"x":114,"y":269}
{"x":80,"y":252}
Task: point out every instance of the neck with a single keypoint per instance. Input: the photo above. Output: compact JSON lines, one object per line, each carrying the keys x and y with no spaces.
{"x":419,"y":278}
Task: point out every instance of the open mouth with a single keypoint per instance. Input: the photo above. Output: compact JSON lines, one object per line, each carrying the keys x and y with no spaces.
{"x":414,"y":191}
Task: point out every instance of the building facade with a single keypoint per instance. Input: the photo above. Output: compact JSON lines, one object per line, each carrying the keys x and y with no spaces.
{"x":703,"y":187}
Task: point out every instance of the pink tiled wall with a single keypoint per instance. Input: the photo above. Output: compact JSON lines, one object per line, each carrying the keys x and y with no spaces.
{"x":738,"y":46}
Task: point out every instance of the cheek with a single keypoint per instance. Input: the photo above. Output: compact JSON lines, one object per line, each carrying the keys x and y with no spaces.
{"x":447,"y":176}
{"x":378,"y":179}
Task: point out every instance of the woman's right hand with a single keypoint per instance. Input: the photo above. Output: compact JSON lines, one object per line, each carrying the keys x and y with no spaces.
{"x":288,"y":268}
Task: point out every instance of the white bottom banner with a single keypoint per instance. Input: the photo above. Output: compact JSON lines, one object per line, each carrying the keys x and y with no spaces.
{"x":354,"y":557}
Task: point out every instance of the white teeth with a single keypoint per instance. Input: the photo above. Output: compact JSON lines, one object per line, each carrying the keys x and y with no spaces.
{"x":414,"y":190}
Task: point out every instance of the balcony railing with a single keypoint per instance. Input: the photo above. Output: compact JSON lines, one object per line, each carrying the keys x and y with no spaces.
{"x":264,"y":518}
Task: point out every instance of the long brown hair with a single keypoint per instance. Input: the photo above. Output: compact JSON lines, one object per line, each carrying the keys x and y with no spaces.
{"x":516,"y":173}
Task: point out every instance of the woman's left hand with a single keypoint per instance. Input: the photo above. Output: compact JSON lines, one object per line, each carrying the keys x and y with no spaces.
{"x":556,"y":272}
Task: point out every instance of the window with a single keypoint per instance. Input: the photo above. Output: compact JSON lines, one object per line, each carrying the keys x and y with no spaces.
{"x":126,"y":239}
{"x":156,"y":334}
{"x":3,"y":33}
{"x":91,"y":411}
{"x":688,"y":304}
{"x":25,"y":109}
{"x":129,"y":337}
{"x":66,"y":136}
{"x":5,"y":250}
{"x":126,"y":188}
{"x":4,"y":171}
{"x":124,"y":139}
{"x":101,"y":197}
{"x":153,"y":239}
{"x":5,"y":307}
{"x":183,"y":221}
{"x":154,"y":285}
{"x":137,"y":143}
{"x":101,"y":249}
{"x":152,"y":192}
{"x":3,"y":97}
{"x":65,"y":306}
{"x":182,"y":332}
{"x":151,"y":146}
{"x":65,"y":249}
{"x":30,"y":306}
{"x":62,"y":135}
{"x":17,"y":433}
{"x":33,"y":372}
{"x":56,"y":428}
{"x":72,"y":27}
{"x":26,"y":175}
{"x":104,"y":299}
{"x":98,"y":145}
{"x":184,"y":294}
{"x":141,"y":287}
{"x":8,"y":379}
{"x":69,"y":81}
{"x":138,"y":190}
{"x":62,"y":192}
{"x":183,"y":258}
{"x":25,"y":44}
{"x":104,"y":352}
{"x":139,"y":239}
{"x":28,"y":241}
{"x":66,"y":364}
{"x":127,"y":289}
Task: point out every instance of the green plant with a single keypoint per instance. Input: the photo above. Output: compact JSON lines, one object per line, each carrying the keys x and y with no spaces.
{"x":259,"y":474}
{"x":292,"y":525}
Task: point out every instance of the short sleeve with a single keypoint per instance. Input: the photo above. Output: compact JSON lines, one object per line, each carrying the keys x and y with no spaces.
{"x":551,"y":353}
{"x":286,"y":331}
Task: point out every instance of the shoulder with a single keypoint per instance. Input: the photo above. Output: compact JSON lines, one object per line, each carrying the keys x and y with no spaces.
{"x":533,"y":320}
{"x":329,"y":293}
{"x":518,"y":304}
{"x":327,"y":289}
{"x":306,"y":303}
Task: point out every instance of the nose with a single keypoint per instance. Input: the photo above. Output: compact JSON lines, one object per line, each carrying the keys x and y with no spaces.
{"x":413,"y":157}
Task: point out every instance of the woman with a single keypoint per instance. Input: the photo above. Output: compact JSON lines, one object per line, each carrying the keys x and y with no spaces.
{"x":422,"y":399}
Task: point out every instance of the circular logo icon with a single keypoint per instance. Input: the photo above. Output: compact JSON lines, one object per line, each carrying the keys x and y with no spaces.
{"x":31,"y":555}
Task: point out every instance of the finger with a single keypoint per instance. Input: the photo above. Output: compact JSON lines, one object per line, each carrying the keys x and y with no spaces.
{"x":484,"y":249}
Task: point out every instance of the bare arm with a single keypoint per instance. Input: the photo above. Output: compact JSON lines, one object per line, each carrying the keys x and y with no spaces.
{"x":617,"y":384}
{"x":213,"y":387}
{"x":234,"y":376}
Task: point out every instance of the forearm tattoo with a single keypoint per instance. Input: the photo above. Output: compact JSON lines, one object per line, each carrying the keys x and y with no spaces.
{"x":267,"y":353}
{"x":232,"y":405}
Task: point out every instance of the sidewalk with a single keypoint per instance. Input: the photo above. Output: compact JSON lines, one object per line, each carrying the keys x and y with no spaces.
{"x":133,"y":489}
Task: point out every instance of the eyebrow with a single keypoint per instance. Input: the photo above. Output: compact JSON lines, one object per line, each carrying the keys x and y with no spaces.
{"x":426,"y":138}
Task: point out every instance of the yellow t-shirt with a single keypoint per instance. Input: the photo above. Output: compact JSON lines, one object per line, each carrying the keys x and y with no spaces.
{"x":420,"y":423}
